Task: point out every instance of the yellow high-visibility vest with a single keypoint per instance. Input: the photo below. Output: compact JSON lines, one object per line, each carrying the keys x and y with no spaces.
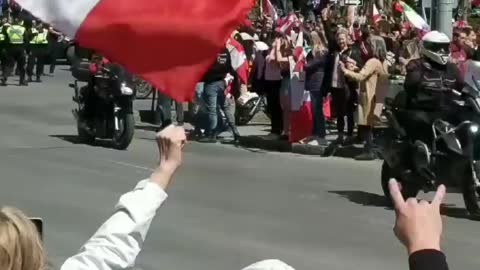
{"x":40,"y":38}
{"x":15,"y":34}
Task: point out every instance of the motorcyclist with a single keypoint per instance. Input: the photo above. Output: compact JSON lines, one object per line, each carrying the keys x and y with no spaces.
{"x":428,"y":81}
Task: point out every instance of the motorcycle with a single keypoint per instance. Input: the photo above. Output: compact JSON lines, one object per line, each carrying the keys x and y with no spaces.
{"x":247,"y":109}
{"x":451,"y":158}
{"x":112,"y":104}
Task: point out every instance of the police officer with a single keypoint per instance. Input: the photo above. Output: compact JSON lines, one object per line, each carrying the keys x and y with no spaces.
{"x":17,"y":38}
{"x":3,"y":44}
{"x":38,"y":52}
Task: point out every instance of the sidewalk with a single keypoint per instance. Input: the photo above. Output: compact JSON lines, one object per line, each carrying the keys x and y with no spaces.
{"x":254,"y":135}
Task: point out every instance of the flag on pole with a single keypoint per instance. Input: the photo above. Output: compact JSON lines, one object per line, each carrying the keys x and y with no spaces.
{"x":169,"y":43}
{"x":414,"y":18}
{"x":269,"y":10}
{"x":285,"y":25}
{"x":376,"y":15}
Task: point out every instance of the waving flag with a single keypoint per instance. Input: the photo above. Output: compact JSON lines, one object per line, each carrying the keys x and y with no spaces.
{"x":239,"y":59}
{"x":416,"y":20}
{"x":376,"y":15}
{"x":269,"y":10}
{"x":158,"y":40}
{"x":285,"y":25}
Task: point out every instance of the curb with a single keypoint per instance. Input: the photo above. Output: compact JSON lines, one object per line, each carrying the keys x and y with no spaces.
{"x":260,"y":142}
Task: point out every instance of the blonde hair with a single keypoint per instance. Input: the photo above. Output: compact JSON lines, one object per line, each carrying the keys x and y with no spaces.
{"x":20,"y":244}
{"x":318,"y":46}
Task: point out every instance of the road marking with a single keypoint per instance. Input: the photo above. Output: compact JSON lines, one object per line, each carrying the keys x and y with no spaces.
{"x":131,"y":165}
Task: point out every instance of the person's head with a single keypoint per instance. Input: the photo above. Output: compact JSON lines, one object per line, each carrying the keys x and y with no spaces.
{"x":459,"y":38}
{"x":17,"y":20}
{"x":470,"y":35}
{"x":379,"y":48}
{"x":435,"y":47}
{"x":342,"y":39}
{"x":404,"y":32}
{"x":20,"y":244}
{"x":365,"y":29}
{"x":318,"y":46}
{"x":4,"y":20}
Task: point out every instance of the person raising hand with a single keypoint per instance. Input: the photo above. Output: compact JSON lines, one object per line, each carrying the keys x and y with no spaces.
{"x":419,"y":228}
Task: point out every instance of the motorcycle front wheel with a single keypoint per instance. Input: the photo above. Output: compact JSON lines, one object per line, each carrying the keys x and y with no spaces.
{"x":470,"y":194}
{"x":409,"y":189}
{"x":122,"y":138}
{"x":83,"y":135}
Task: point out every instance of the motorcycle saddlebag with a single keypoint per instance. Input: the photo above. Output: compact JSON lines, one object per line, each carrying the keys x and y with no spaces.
{"x":81,"y":72}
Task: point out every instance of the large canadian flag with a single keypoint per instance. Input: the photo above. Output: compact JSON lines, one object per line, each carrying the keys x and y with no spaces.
{"x":169,"y":43}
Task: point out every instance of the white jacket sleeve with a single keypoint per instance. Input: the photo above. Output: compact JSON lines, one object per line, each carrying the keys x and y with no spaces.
{"x":118,"y":241}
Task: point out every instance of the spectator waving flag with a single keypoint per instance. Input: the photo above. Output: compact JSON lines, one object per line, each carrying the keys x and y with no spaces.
{"x":416,"y":20}
{"x":158,"y":40}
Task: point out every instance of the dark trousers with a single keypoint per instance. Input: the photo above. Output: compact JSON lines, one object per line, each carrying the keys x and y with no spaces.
{"x":319,"y":128}
{"x":15,"y":54}
{"x":344,"y":101}
{"x":272,"y":90}
{"x":36,"y":59}
{"x":164,"y":110}
{"x":53,"y":51}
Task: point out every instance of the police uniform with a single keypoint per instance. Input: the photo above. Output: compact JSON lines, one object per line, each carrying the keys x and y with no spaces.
{"x":3,"y":47}
{"x":16,"y":36}
{"x":38,"y":53}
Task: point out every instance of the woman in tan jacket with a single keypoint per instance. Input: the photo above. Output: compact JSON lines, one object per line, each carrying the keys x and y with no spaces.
{"x":373,"y":78}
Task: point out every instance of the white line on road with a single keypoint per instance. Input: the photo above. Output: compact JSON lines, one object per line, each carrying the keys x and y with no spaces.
{"x":130,"y":165}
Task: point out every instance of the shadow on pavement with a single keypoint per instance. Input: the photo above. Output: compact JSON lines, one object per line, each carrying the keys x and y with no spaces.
{"x":73,"y":139}
{"x":375,"y":200}
{"x":147,"y":128}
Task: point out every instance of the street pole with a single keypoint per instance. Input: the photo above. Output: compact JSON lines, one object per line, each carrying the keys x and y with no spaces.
{"x":443,"y":18}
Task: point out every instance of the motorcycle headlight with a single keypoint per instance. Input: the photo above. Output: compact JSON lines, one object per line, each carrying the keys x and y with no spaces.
{"x":127,"y":91}
{"x":474,"y":128}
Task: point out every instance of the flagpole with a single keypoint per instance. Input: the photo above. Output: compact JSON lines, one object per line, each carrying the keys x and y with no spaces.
{"x":261,"y":7}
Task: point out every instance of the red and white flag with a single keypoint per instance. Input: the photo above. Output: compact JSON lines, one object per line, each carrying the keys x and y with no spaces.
{"x":376,"y":15}
{"x":239,"y":60}
{"x":269,"y":10}
{"x":285,"y":25}
{"x":158,"y":40}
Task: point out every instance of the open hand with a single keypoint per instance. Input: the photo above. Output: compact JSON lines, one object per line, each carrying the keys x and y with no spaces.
{"x":170,"y":143}
{"x":418,"y":224}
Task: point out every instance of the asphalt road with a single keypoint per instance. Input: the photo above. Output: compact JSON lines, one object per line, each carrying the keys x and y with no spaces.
{"x":228,"y":207}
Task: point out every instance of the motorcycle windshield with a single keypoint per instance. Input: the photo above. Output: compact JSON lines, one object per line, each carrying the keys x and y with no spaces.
{"x":121,"y":74}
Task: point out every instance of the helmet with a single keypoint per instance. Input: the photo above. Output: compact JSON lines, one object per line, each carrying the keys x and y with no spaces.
{"x":435,"y":46}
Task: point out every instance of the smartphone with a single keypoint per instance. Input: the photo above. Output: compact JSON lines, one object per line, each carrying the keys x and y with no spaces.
{"x":38,"y":222}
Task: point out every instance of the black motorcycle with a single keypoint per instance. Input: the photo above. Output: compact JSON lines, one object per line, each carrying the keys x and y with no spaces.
{"x":449,"y":157}
{"x":105,"y":105}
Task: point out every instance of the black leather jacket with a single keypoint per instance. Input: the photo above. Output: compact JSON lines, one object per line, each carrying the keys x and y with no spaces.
{"x":427,"y":82}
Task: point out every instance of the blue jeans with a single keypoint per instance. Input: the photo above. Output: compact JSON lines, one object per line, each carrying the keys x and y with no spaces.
{"x":319,"y":128}
{"x":213,"y":96}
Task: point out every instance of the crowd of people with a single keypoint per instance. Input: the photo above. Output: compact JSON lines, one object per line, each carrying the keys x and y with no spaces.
{"x":26,"y":46}
{"x":342,"y":73}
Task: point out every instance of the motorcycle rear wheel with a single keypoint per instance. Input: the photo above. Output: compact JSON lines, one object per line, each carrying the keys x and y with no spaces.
{"x":142,"y":89}
{"x":409,"y":189}
{"x":242,"y":115}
